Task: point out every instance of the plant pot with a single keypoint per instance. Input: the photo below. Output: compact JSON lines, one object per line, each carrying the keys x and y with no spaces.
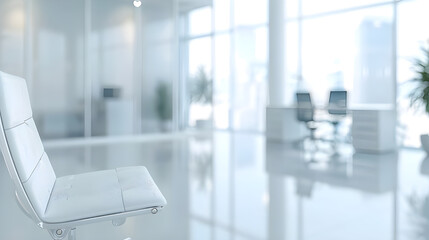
{"x":424,"y":138}
{"x":165,"y":125}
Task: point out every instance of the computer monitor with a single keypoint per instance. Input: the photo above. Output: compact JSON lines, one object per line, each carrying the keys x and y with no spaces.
{"x":111,"y":92}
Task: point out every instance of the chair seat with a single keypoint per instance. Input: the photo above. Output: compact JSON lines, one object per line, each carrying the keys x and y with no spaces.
{"x":101,"y":193}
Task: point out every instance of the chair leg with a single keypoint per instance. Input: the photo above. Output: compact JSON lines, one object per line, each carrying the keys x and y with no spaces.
{"x":72,"y":234}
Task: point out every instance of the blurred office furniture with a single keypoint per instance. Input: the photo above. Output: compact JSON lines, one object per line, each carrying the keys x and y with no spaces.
{"x":61,"y":204}
{"x":282,"y":124}
{"x":337,"y":108}
{"x":374,"y":128}
{"x":305,"y":113}
{"x":119,"y":112}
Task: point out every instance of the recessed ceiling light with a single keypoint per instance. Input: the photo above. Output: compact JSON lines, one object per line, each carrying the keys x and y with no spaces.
{"x":137,"y":3}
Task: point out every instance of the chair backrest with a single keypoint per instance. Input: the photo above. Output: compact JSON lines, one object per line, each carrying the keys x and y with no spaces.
{"x":338,"y":102}
{"x":305,"y":109}
{"x":23,"y":152}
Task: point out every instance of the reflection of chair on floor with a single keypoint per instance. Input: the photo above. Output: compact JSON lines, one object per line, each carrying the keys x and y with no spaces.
{"x":61,"y":204}
{"x":304,"y":187}
{"x":337,"y":110}
{"x":305,"y":113}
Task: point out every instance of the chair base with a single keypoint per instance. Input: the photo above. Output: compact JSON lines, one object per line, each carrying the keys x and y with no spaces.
{"x":60,"y":234}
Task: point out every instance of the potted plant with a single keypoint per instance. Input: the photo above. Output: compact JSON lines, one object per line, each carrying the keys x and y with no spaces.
{"x":419,"y":96}
{"x":201,"y":93}
{"x":164,"y":105}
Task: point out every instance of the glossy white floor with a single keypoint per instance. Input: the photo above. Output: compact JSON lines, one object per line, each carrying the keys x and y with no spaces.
{"x":225,"y":186}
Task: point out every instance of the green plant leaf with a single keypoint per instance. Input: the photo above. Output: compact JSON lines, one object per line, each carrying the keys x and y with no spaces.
{"x":419,"y":96}
{"x":201,"y":87}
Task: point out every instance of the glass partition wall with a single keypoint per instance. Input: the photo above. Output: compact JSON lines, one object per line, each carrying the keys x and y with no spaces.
{"x":12,"y":28}
{"x":412,"y":35}
{"x":57,"y":62}
{"x":93,"y":67}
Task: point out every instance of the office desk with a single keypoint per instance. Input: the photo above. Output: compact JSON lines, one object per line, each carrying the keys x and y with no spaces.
{"x":373,"y":126}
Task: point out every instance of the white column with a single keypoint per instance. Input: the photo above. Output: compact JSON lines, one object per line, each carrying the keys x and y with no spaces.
{"x":276,"y":74}
{"x":281,"y":123}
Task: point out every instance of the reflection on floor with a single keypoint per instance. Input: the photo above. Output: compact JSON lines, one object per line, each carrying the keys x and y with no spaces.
{"x":226,"y":186}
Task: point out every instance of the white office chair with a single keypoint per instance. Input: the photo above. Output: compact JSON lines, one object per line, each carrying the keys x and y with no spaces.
{"x":61,"y":204}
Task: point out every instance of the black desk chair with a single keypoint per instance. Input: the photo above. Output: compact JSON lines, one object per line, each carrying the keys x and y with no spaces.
{"x":337,"y":108}
{"x":305,"y":112}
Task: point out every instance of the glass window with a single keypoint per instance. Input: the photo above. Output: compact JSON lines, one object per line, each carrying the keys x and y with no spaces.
{"x":250,"y":12}
{"x":200,"y":84}
{"x":412,"y":34}
{"x":292,"y":8}
{"x":222,"y":13}
{"x":222,"y":77}
{"x":316,"y":6}
{"x":238,"y":88}
{"x":292,"y":61}
{"x":351,"y":51}
{"x":249,"y":94}
{"x":200,"y":21}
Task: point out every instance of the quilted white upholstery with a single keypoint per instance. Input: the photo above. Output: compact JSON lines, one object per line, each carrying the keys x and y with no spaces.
{"x":39,"y":186}
{"x":33,"y":166}
{"x":83,"y":196}
{"x":14,"y":100}
{"x":26,"y":148}
{"x":100,"y":193}
{"x":138,"y":188}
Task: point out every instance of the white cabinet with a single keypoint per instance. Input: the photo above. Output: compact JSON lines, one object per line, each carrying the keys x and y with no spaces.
{"x":374,"y":130}
{"x":119,"y":117}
